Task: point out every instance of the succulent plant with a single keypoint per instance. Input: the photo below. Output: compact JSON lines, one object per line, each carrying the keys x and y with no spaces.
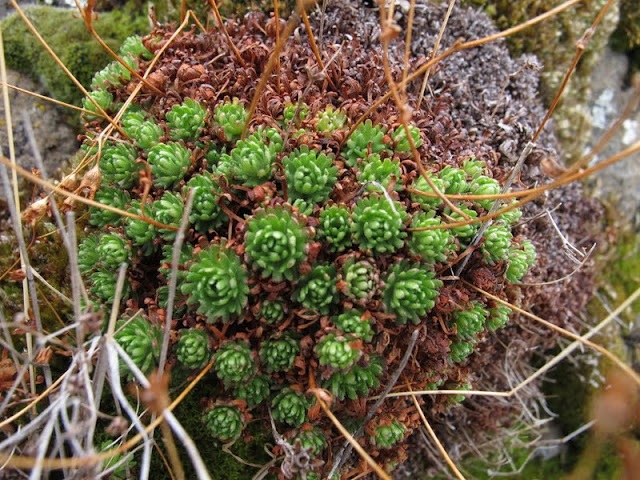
{"x":294,"y":112}
{"x":498,"y":317}
{"x":455,"y":180}
{"x":457,"y":399}
{"x":169,"y":163}
{"x":512,"y":216}
{"x":187,"y":120}
{"x":483,"y":185}
{"x":162,"y":300}
{"x":145,"y":133}
{"x":103,"y":286}
{"x":337,"y":351}
{"x":111,"y":75}
{"x":234,"y":363}
{"x":359,"y":280}
{"x":276,"y":242}
{"x":133,"y":46}
{"x":317,"y":290}
{"x":231,"y":116}
{"x":431,"y":245}
{"x":314,"y":441}
{"x":168,"y":210}
{"x":132,"y":118}
{"x":141,"y":341}
{"x":88,"y":255}
{"x":422,"y":185}
{"x":354,"y":322}
{"x":141,"y":232}
{"x":410,"y":291}
{"x":530,"y":252}
{"x":113,"y":197}
{"x":382,"y":172}
{"x":205,"y":213}
{"x":497,"y":240}
{"x":112,"y":250}
{"x":464,"y":233}
{"x":290,"y":407}
{"x":253,"y":157}
{"x":517,"y":265}
{"x":310,"y":174}
{"x":387,"y":435}
{"x":254,"y":391}
{"x":217,"y":283}
{"x":278,"y":354}
{"x":366,"y":139}
{"x":474,"y":168}
{"x":303,"y":239}
{"x":460,"y":350}
{"x":329,"y":120}
{"x":470,"y":322}
{"x":335,"y":227}
{"x":224,"y":422}
{"x":272,"y":312}
{"x":102,"y":98}
{"x":355,"y":382}
{"x":402,"y":142}
{"x":192,"y":350}
{"x":118,"y":165}
{"x":378,"y":224}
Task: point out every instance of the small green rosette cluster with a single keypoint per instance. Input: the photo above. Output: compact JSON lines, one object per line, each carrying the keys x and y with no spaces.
{"x":387,"y":435}
{"x":192,"y":350}
{"x":290,"y":407}
{"x":224,"y":422}
{"x":276,"y":242}
{"x":410,"y":292}
{"x":234,"y":363}
{"x":217,"y":283}
{"x":141,"y":341}
{"x":378,"y":224}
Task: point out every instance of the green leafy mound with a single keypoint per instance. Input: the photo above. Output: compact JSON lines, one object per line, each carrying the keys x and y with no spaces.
{"x":75,"y":46}
{"x":310,"y":256}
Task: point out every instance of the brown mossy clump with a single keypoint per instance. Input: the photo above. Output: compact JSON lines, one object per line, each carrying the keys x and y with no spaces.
{"x":555,"y":42}
{"x":309,"y":257}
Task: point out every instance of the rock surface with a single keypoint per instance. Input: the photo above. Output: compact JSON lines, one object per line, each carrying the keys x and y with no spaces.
{"x":55,"y":139}
{"x":620,"y":183}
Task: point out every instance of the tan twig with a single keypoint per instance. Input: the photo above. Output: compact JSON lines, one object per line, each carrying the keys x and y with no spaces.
{"x":435,"y":438}
{"x":320,"y":395}
{"x":87,"y":17}
{"x":434,"y":51}
{"x":580,"y":47}
{"x":64,"y":68}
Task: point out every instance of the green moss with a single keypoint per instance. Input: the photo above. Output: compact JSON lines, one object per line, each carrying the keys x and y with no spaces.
{"x":190,"y":413}
{"x":623,"y":272}
{"x":49,"y":258}
{"x":69,"y":39}
{"x":626,"y":38}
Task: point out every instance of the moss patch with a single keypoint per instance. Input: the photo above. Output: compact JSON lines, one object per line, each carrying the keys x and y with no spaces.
{"x":69,"y":39}
{"x":250,"y":447}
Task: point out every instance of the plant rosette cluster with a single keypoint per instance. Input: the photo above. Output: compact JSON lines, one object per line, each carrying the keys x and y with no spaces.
{"x":316,"y":253}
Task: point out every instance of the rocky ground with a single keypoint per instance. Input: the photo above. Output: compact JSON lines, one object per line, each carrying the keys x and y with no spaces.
{"x":611,"y":93}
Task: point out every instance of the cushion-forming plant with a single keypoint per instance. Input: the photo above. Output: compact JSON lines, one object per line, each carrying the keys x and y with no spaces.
{"x":311,"y":257}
